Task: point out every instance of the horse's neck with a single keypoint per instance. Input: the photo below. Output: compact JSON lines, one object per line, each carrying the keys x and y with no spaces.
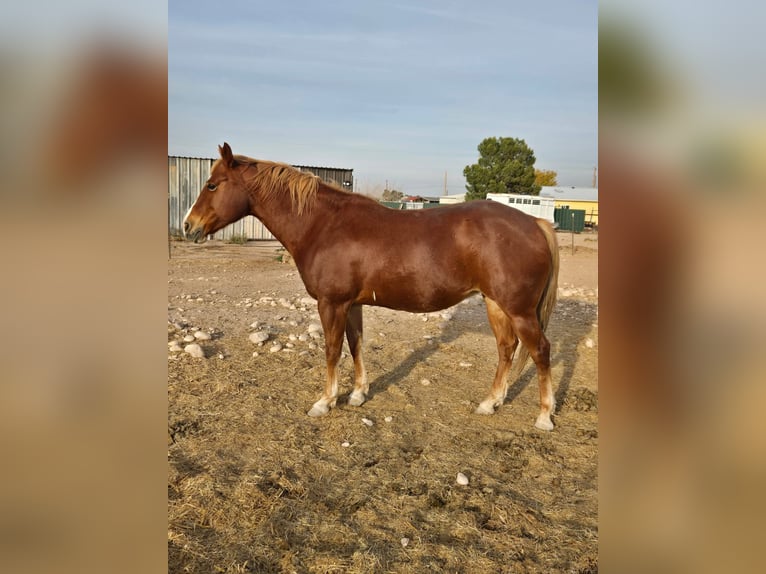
{"x":291,"y":229}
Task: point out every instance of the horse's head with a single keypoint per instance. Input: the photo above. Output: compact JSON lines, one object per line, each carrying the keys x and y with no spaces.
{"x":224,"y":198}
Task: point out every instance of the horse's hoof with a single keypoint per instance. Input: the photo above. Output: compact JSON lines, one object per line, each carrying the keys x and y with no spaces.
{"x":485,"y":408}
{"x":319,"y":410}
{"x":544,"y":423}
{"x":356,"y":399}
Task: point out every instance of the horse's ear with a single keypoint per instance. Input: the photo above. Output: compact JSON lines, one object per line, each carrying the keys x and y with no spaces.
{"x":226,"y":155}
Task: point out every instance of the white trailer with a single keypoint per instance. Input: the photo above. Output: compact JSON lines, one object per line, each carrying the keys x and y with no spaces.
{"x":541,"y":207}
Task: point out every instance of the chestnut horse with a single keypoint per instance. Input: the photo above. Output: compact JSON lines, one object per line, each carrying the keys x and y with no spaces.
{"x":352,"y":251}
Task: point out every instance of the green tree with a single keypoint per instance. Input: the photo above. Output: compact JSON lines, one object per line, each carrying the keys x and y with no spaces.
{"x":506,"y":165}
{"x":546,"y":177}
{"x":392,"y":195}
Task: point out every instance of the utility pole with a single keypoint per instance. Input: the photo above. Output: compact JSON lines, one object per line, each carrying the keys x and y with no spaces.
{"x":595,"y":177}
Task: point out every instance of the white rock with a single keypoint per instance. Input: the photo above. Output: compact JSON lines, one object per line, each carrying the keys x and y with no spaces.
{"x":315,"y":335}
{"x":259,"y":337}
{"x":220,"y":356}
{"x":188,"y":338}
{"x":255,"y":353}
{"x":292,"y":337}
{"x":195,"y":351}
{"x":465,"y":364}
{"x":202,"y":336}
{"x":388,"y":419}
{"x":314,"y":328}
{"x":405,"y":542}
{"x":589,"y":343}
{"x":303,"y":337}
{"x":345,"y":444}
{"x":313,"y":346}
{"x":276,"y":347}
{"x":174,"y":347}
{"x":461,"y":479}
{"x":447,"y":316}
{"x":368,"y":422}
{"x":254,"y":325}
{"x":290,"y":345}
{"x":425,"y":382}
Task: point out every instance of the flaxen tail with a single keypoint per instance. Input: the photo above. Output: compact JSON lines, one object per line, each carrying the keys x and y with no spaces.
{"x":547,"y":301}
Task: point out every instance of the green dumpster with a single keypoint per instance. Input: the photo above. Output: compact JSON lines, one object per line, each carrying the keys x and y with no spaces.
{"x":569,"y":219}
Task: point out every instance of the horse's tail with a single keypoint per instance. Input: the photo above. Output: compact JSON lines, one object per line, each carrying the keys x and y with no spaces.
{"x":547,"y":301}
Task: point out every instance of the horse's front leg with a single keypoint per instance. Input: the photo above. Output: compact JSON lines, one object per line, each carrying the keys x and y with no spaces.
{"x":333,"y":317}
{"x":354,"y":336}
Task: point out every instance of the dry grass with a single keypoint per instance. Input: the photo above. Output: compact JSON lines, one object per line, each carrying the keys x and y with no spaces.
{"x":257,"y":486}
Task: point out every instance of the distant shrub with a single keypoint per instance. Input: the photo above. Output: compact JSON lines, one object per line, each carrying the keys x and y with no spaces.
{"x":239,"y":239}
{"x":176,"y":234}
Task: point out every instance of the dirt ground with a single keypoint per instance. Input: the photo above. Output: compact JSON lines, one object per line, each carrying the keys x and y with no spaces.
{"x":255,"y":485}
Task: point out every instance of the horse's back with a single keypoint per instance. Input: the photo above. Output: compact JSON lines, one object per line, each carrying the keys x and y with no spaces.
{"x":473,"y":216}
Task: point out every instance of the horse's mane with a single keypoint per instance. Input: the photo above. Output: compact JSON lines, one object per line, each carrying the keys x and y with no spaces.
{"x":272,"y":178}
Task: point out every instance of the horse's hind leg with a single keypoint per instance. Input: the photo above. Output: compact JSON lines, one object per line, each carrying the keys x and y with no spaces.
{"x":506,"y":345}
{"x":333,"y":323}
{"x":532,"y":337}
{"x":354,"y":336}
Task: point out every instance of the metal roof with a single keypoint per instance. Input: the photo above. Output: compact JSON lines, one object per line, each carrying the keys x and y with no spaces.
{"x":570,"y":193}
{"x":291,"y":164}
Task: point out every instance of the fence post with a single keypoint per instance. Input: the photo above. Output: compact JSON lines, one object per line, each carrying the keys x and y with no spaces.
{"x":571,"y":228}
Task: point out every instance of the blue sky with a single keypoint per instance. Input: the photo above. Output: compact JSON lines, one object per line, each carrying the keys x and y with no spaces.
{"x":400,"y":92}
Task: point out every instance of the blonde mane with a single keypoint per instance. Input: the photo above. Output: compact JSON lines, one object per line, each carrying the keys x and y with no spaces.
{"x":272,"y":179}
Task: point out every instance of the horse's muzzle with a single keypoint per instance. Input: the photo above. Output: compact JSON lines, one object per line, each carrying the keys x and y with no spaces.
{"x":197,"y":235}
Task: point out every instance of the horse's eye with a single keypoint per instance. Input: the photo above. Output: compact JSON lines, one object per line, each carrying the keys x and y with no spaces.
{"x":211,"y":186}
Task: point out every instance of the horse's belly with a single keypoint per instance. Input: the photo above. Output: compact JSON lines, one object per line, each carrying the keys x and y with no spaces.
{"x":415,"y":299}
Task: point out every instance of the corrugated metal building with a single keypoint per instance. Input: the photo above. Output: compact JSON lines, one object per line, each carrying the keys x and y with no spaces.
{"x":187,"y":175}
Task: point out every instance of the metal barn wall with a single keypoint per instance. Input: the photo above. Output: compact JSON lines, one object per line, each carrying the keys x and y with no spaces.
{"x":187,"y":175}
{"x":185,"y":179}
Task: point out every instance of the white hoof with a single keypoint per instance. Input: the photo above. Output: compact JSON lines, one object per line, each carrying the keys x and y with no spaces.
{"x":544,"y":423}
{"x":486,"y":407}
{"x":356,"y":399}
{"x":319,"y":409}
